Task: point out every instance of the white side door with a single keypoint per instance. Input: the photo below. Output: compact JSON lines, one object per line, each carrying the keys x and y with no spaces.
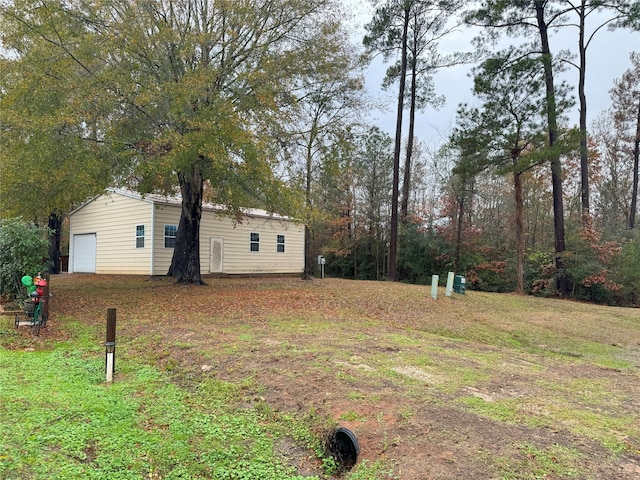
{"x":216,"y":255}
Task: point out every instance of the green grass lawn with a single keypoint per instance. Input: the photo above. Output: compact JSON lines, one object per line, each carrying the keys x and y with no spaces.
{"x":59,"y":419}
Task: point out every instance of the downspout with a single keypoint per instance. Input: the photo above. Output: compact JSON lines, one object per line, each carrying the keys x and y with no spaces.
{"x":71,"y":246}
{"x":153,"y":236}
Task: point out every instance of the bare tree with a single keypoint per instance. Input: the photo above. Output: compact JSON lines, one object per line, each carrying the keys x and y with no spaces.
{"x":410,"y":30}
{"x":617,"y":13}
{"x":625,"y":96}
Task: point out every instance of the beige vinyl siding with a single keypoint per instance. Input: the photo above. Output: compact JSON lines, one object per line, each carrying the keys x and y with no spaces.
{"x":164,"y":215}
{"x":237,"y":256}
{"x":114,"y":218}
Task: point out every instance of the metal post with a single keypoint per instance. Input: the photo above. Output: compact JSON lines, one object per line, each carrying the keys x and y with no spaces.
{"x":434,"y":286}
{"x":110,"y":344}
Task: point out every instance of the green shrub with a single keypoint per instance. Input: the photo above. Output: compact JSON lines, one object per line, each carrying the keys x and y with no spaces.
{"x":420,"y":255}
{"x":540,"y":273}
{"x":23,"y":251}
{"x":590,"y":265}
{"x":495,"y":276}
{"x":627,"y":270}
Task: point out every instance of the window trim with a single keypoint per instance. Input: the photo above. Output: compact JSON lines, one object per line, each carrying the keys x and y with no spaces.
{"x":254,"y":242}
{"x":280,"y":244}
{"x":166,"y":237}
{"x":140,"y":237}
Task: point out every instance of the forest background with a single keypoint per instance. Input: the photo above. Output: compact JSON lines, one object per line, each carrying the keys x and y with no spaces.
{"x":263,"y":104}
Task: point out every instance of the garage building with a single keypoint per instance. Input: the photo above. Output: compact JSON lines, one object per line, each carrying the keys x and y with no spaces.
{"x":122,"y":232}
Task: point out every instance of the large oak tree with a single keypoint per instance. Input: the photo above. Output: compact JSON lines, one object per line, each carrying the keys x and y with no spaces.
{"x":197,"y":91}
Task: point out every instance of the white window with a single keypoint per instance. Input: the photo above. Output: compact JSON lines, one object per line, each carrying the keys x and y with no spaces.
{"x":255,"y":242}
{"x":139,"y":236}
{"x":280,"y":244}
{"x":170,"y":232}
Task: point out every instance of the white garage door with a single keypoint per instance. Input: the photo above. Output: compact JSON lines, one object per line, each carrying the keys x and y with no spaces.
{"x":84,"y":253}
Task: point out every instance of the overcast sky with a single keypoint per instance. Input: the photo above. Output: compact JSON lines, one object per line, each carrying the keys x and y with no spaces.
{"x":607,"y":59}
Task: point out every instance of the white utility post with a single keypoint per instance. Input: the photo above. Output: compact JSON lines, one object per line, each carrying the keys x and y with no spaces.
{"x":449,"y":290}
{"x":434,"y":286}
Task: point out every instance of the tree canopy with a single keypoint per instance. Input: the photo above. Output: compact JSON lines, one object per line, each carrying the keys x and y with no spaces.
{"x":262,"y":103}
{"x":186,"y":96}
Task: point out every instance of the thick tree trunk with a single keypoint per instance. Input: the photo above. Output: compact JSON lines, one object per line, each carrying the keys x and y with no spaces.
{"x":306,"y":273}
{"x":562,"y":283}
{"x":55,"y":237}
{"x":185,"y":264}
{"x":393,"y":240}
{"x":584,"y":152}
{"x":520,"y":237}
{"x":459,"y":227}
{"x":406,"y":184}
{"x":636,"y":155}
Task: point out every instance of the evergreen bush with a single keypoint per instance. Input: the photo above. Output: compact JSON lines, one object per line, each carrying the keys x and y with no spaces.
{"x":23,"y":251}
{"x":627,"y":270}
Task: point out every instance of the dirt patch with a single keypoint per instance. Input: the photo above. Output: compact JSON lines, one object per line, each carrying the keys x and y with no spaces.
{"x":436,"y":389}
